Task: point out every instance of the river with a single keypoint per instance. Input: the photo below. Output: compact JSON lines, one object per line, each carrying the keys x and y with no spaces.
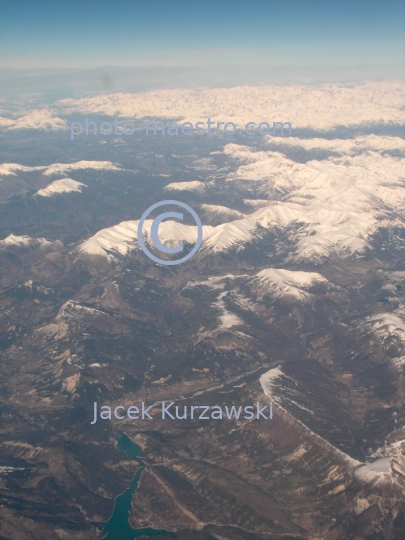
{"x":118,"y":527}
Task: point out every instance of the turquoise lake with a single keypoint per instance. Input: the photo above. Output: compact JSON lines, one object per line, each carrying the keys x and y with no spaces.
{"x":118,"y":527}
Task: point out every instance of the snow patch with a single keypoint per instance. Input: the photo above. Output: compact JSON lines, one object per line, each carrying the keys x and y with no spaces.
{"x":267,"y":380}
{"x":288,"y":283}
{"x":227,"y":318}
{"x":66,"y":185}
{"x":194,"y":185}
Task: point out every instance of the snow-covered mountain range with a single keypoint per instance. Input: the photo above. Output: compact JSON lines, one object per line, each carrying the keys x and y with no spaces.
{"x":321,"y":107}
{"x":296,"y":297}
{"x":331,"y":205}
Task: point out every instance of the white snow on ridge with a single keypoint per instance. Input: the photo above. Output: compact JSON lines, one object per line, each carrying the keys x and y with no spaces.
{"x":120,"y":238}
{"x":124,"y":236}
{"x":227,"y":318}
{"x":386,"y":326}
{"x":37,"y":119}
{"x":194,"y":185}
{"x":317,"y":107}
{"x":115,"y":239}
{"x":66,"y":185}
{"x":340,"y":201}
{"x":283,"y":283}
{"x":376,"y":143}
{"x":7,"y":169}
{"x":268,"y":379}
{"x":362,"y":471}
{"x":278,"y":282}
{"x":256,"y":202}
{"x":10,"y":169}
{"x":216,"y":210}
{"x":334,"y":205}
{"x":227,"y":235}
{"x":5,"y":122}
{"x":13,"y":240}
{"x":60,"y":168}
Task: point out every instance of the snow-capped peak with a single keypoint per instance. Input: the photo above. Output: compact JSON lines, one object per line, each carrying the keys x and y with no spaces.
{"x":66,"y":185}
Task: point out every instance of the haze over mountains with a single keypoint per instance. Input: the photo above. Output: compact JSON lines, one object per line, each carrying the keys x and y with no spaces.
{"x":295,"y":296}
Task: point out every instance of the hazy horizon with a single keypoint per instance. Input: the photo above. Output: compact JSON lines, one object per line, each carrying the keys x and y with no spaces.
{"x":68,"y":49}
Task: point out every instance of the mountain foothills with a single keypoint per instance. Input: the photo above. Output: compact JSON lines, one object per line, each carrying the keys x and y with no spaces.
{"x":296,"y":297}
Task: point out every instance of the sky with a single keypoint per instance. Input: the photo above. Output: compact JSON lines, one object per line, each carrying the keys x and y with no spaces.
{"x":203,"y":43}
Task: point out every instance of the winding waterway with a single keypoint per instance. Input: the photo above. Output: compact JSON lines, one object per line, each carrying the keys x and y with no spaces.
{"x":118,"y":527}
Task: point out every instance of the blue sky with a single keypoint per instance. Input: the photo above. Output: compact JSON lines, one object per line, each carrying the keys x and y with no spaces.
{"x":308,"y":36}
